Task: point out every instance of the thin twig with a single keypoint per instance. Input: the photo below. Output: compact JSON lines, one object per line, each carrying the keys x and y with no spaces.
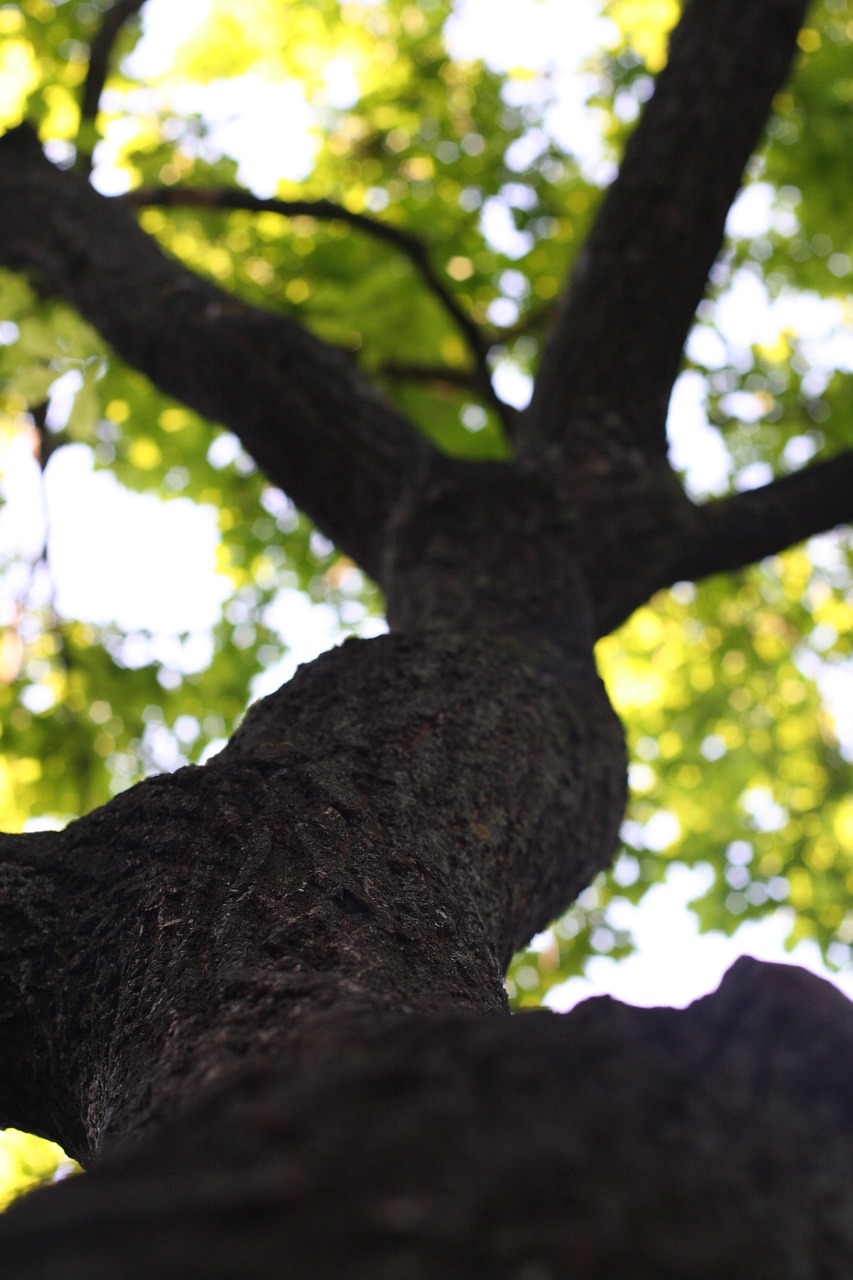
{"x":298,"y":404}
{"x":526,"y":323}
{"x":327,"y":210}
{"x":100,"y":54}
{"x":462,"y":378}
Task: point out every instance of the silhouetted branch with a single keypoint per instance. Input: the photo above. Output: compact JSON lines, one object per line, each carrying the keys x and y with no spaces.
{"x":466,"y":379}
{"x":300,"y":406}
{"x":328,"y":211}
{"x":100,"y":53}
{"x":739,"y":530}
{"x":617,"y":343}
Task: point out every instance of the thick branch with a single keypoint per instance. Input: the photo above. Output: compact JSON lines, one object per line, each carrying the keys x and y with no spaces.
{"x":326,"y":210}
{"x":300,"y":406}
{"x":739,"y":530}
{"x":622,"y":325}
{"x":711,"y":1143}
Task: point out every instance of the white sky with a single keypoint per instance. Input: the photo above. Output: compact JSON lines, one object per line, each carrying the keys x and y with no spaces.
{"x":138,"y":575}
{"x":134,"y":578}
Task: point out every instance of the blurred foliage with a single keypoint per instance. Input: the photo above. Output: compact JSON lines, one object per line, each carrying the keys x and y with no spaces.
{"x":736,"y":764}
{"x":27,"y":1162}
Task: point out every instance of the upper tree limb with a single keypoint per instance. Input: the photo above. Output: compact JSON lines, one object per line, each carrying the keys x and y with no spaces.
{"x":619,"y":334}
{"x":743,"y":528}
{"x":299,"y":405}
{"x":100,"y":55}
{"x":411,"y":246}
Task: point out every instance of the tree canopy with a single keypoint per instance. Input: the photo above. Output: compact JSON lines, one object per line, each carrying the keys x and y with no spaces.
{"x":440,"y":209}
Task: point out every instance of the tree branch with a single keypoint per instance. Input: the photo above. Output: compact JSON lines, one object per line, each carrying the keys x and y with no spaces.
{"x":528,"y":322}
{"x":661,"y":223}
{"x":300,"y":406}
{"x":326,"y":210}
{"x":739,"y":530}
{"x":709,"y":1143}
{"x":440,"y":373}
{"x":100,"y":52}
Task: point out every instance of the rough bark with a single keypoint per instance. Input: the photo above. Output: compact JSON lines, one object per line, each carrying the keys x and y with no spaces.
{"x":711,"y":1143}
{"x":315,"y":871}
{"x":262,"y":999}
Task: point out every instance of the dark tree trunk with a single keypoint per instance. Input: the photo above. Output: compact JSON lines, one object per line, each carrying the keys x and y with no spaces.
{"x":614,"y":1142}
{"x":261,"y":1000}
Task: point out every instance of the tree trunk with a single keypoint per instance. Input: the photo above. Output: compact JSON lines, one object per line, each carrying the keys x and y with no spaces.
{"x":261,"y":1000}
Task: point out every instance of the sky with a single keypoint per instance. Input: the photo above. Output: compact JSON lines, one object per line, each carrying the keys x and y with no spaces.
{"x":138,"y":576}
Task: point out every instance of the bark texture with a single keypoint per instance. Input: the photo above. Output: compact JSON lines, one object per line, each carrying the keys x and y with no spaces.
{"x":262,"y":999}
{"x":315,"y":871}
{"x":638,"y":1143}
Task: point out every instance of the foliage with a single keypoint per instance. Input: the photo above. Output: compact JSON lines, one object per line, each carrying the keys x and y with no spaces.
{"x":736,"y":761}
{"x":27,"y":1162}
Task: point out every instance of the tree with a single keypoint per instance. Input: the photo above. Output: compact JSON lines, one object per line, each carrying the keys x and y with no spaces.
{"x":261,"y":999}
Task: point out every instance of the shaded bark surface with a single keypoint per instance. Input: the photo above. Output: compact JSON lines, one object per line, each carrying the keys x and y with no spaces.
{"x":638,"y":1143}
{"x":262,"y":999}
{"x":314,"y":871}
